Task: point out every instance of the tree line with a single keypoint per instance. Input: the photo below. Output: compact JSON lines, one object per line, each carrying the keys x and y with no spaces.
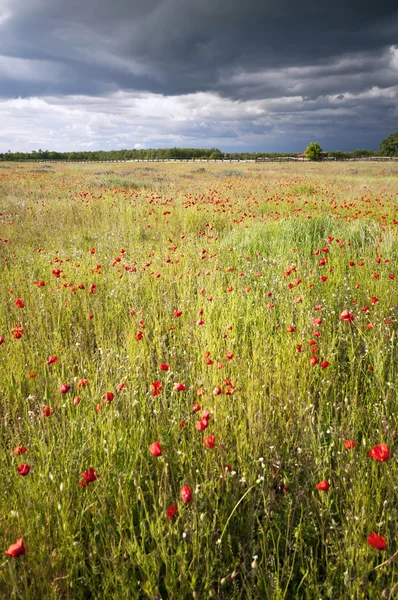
{"x":143,"y":154}
{"x":388,"y":147}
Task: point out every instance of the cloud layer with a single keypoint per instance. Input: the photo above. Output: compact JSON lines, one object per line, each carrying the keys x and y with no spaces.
{"x":237,"y":75}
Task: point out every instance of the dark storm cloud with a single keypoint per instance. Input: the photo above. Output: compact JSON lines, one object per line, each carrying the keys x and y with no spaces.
{"x":241,"y":73}
{"x":183,"y":46}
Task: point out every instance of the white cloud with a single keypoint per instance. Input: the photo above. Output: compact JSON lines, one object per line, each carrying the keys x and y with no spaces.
{"x":129,"y":119}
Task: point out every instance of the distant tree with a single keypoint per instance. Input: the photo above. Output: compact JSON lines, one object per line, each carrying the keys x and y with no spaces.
{"x":389,"y":146}
{"x":363,"y":153}
{"x":313,"y":151}
{"x":215,"y":154}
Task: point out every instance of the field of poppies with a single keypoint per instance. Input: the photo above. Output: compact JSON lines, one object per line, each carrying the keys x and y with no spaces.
{"x":198,"y":374}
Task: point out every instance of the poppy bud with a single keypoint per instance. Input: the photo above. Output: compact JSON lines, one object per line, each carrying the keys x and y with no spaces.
{"x":186,"y":494}
{"x":155,"y":449}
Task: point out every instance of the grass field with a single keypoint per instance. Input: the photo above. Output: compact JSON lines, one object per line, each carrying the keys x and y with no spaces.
{"x":242,"y":316}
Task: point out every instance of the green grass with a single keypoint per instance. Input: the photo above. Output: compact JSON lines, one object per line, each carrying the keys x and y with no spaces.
{"x":258,"y":528}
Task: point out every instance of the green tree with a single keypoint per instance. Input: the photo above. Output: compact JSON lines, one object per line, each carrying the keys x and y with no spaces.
{"x":389,"y":146}
{"x":215,"y":154}
{"x":313,"y":151}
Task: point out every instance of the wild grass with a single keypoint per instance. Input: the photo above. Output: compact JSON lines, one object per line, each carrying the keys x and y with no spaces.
{"x":241,"y":252}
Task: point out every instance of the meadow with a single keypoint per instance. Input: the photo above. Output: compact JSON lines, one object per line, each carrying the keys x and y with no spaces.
{"x":198,"y":375}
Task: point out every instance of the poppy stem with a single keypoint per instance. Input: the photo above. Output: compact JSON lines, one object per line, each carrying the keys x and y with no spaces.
{"x":386,"y":562}
{"x":234,"y":509}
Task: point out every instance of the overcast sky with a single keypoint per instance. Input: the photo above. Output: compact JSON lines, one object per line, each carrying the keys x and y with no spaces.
{"x":268,"y":75}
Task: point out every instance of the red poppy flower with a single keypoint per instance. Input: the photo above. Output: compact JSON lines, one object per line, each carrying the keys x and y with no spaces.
{"x":317,"y":321}
{"x":88,"y":477}
{"x":200,"y":391}
{"x":201,"y":425}
{"x":324,"y":364}
{"x":2,"y":340}
{"x":374,"y":300}
{"x":209,"y":441}
{"x":323,"y":486}
{"x":23,"y":470}
{"x":82,"y":383}
{"x":109,"y":396}
{"x":380,"y":453}
{"x":217,"y":391}
{"x":156,"y":388}
{"x":47,"y":411}
{"x":139,"y":335}
{"x":196,"y":407}
{"x":155,"y":449}
{"x":377,"y":541}
{"x":64,"y":389}
{"x":186,"y":494}
{"x":20,"y":450}
{"x":347,"y":316}
{"x":350,"y":444}
{"x":179,"y":387}
{"x":19,"y":303}
{"x":164,"y":367}
{"x":177,"y":313}
{"x":17,"y":549}
{"x":313,"y":361}
{"x":51,"y":359}
{"x":172,"y":511}
{"x":200,"y":322}
{"x":290,"y":329}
